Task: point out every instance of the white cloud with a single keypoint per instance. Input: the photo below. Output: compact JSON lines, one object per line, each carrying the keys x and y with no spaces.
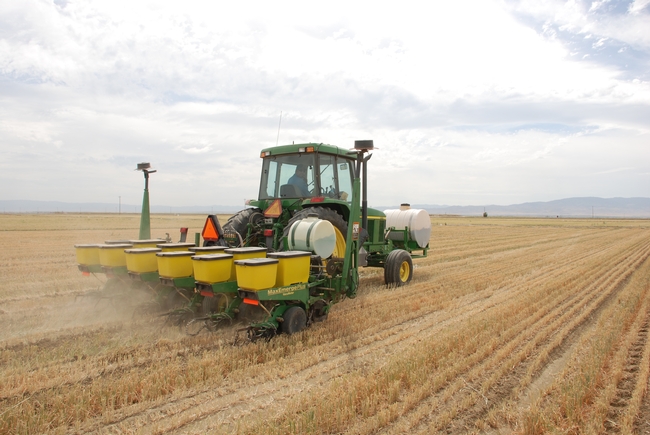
{"x":196,"y":149}
{"x":589,"y":18}
{"x":637,"y":6}
{"x":464,"y":94}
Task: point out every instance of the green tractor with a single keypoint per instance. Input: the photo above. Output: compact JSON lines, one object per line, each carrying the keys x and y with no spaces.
{"x":313,"y":183}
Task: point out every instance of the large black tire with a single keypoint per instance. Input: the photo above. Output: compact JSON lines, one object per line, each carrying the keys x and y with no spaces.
{"x":398,"y":269}
{"x":239,"y":223}
{"x":295,"y":320}
{"x":326,"y":214}
{"x":215,"y":304}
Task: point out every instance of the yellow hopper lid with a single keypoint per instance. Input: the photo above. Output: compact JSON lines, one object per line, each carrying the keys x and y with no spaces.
{"x":116,"y":246}
{"x":142,"y":242}
{"x":210,"y":257}
{"x":245,"y":250}
{"x":200,"y":249}
{"x":288,"y":254}
{"x":174,"y":254}
{"x":175,"y":245}
{"x":257,"y":262}
{"x":142,"y":250}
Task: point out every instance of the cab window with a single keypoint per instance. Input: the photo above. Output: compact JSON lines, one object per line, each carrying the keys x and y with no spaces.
{"x":287,"y":176}
{"x":335,"y":177}
{"x":344,"y":168}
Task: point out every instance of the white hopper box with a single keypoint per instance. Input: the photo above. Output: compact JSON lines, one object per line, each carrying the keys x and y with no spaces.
{"x":417,"y":221}
{"x":313,"y":235}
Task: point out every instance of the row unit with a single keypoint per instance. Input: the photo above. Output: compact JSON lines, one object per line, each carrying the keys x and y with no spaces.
{"x":251,"y":267}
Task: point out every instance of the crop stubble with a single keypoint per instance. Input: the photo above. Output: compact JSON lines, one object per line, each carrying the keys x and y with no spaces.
{"x":468,"y":346}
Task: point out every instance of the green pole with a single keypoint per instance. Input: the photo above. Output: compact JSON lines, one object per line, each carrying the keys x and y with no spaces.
{"x":145,"y":222}
{"x":145,"y":225}
{"x":350,"y":262}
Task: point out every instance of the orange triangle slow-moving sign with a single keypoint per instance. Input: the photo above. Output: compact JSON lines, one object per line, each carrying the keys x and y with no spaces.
{"x":274,"y":210}
{"x":210,"y":230}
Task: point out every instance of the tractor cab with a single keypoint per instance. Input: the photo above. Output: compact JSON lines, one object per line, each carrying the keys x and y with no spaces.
{"x":296,"y":180}
{"x":305,"y":171}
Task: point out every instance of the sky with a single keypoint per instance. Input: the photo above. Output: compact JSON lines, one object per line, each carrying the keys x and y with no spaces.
{"x":468,"y":103}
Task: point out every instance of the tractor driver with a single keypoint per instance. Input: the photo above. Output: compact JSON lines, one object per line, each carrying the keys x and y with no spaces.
{"x":299,"y":179}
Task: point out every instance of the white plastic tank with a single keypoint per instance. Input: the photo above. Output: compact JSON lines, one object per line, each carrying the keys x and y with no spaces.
{"x":417,"y":221}
{"x":314,"y":235}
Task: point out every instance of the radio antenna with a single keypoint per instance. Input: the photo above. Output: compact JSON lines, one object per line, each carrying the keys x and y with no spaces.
{"x":279,"y":124}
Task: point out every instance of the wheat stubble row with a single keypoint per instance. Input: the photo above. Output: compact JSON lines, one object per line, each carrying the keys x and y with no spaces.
{"x":528,"y":284}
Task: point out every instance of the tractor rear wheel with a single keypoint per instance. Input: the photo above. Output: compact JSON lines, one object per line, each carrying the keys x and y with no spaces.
{"x":398,"y":269}
{"x":326,"y":214}
{"x":295,"y":320}
{"x":239,"y":223}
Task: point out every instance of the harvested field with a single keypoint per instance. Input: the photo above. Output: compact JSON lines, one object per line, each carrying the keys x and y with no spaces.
{"x":509,"y":326}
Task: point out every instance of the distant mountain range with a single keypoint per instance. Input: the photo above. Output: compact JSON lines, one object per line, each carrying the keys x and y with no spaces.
{"x":569,"y":207}
{"x":25,"y":206}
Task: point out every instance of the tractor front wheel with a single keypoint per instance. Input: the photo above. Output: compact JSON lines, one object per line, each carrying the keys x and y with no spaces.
{"x":398,"y":269}
{"x":295,"y":320}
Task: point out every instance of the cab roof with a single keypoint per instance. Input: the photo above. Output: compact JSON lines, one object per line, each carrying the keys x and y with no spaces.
{"x":318,"y":147}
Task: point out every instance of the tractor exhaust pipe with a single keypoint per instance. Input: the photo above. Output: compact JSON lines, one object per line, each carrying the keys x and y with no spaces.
{"x":364,"y":146}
